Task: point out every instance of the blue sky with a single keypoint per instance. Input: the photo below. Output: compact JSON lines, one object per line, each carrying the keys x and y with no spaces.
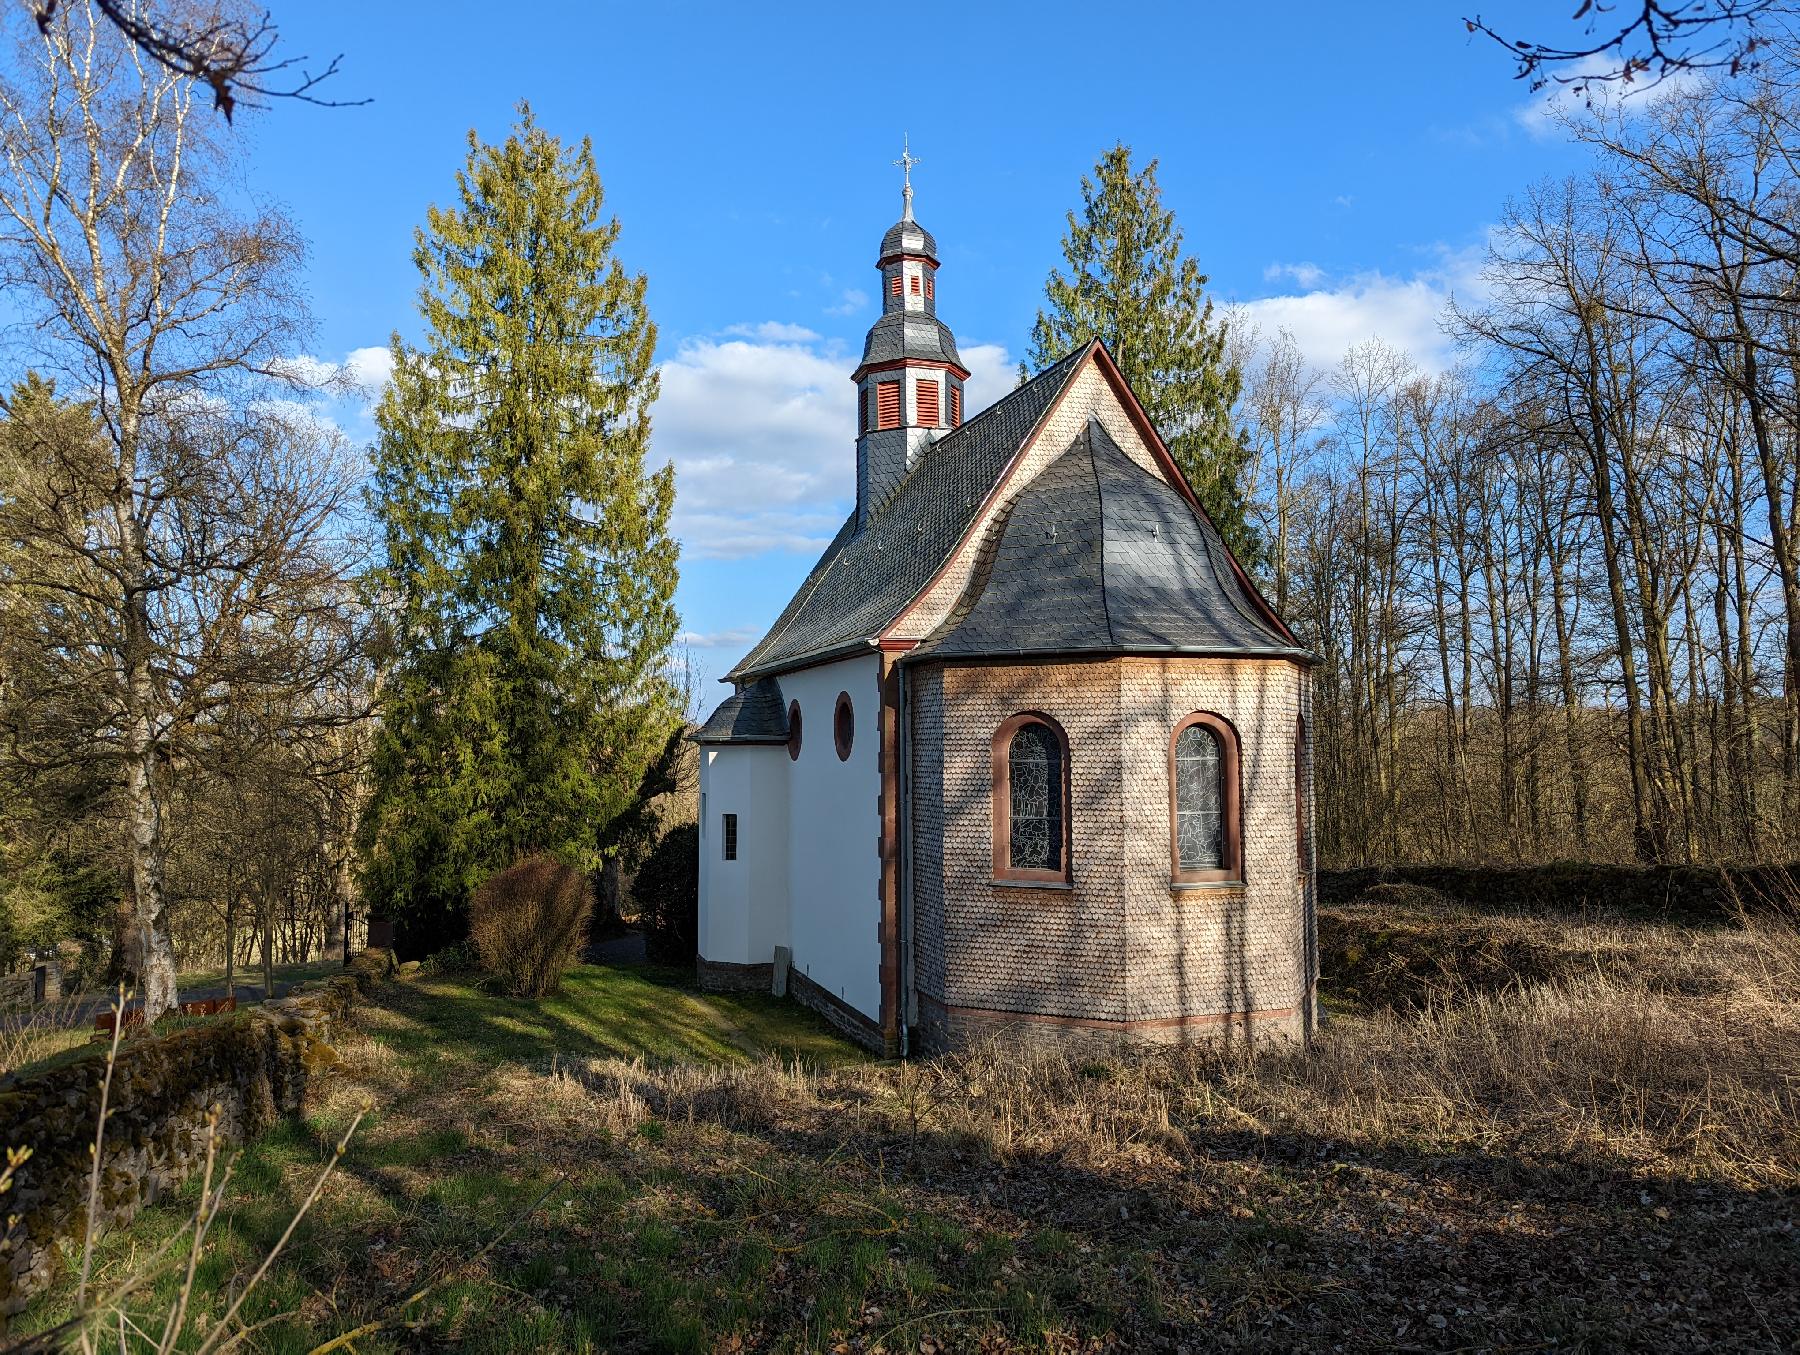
{"x":1336,"y":168}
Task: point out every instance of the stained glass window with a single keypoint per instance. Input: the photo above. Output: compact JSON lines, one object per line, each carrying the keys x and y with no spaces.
{"x":1199,"y":800}
{"x":1035,"y":791}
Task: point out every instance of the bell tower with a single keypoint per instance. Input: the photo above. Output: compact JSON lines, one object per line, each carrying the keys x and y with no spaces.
{"x":910,"y":381}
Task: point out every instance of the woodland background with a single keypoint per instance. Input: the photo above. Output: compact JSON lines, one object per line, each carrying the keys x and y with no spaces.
{"x":1554,"y":592}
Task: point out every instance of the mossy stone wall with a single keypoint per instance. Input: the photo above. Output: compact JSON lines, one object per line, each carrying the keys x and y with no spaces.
{"x":252,"y":1066}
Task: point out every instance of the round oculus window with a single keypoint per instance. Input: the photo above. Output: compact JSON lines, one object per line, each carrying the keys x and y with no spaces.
{"x":794,"y":730}
{"x":843,"y":726}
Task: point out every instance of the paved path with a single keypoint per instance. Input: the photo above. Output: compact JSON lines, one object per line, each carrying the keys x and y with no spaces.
{"x":626,"y":949}
{"x":248,"y":994}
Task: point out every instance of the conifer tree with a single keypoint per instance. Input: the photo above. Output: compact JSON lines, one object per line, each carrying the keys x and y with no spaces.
{"x":1129,"y":285}
{"x":529,"y":574}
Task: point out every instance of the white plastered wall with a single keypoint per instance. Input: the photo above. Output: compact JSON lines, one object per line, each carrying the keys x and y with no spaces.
{"x":834,"y":834}
{"x":743,"y":903}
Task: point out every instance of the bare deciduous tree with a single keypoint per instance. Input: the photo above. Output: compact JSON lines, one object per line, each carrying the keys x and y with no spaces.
{"x":187,"y":556}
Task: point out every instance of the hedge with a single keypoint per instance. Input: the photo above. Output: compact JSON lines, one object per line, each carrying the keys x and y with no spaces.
{"x":1686,"y":893}
{"x":252,"y":1066}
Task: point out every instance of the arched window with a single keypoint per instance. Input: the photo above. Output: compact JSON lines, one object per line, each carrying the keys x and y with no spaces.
{"x":794,"y":731}
{"x":843,"y":726}
{"x":1204,"y":809}
{"x":1031,"y":800}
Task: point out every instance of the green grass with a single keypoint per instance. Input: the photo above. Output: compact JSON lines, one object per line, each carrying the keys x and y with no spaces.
{"x":427,"y":1178}
{"x":601,"y":1012}
{"x":251,"y":975}
{"x":624,"y":1167}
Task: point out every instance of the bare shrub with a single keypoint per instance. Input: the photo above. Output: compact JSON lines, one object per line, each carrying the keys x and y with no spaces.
{"x":527,"y":923}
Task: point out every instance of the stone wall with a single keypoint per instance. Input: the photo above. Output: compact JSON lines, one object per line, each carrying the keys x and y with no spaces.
{"x":41,"y":983}
{"x":253,"y":1067}
{"x":1119,"y":950}
{"x":1681,"y":893}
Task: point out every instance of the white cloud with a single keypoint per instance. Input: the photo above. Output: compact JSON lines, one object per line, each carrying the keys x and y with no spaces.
{"x":992,"y":373}
{"x":852,"y":300}
{"x":773,"y":331}
{"x":1306,"y":274}
{"x":738,"y":638}
{"x":303,"y":369}
{"x":1581,"y":89}
{"x":363,"y":372}
{"x":762,"y":432}
{"x":369,"y":369}
{"x":1331,"y":317}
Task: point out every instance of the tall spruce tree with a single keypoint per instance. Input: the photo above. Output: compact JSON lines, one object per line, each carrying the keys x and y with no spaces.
{"x":1129,"y":285}
{"x":529,"y":574}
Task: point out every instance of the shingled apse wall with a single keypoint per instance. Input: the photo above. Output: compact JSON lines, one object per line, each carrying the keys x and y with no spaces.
{"x":1121,"y":953}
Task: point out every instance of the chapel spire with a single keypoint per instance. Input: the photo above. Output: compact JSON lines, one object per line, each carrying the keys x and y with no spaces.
{"x":906,"y":162}
{"x":910,"y":380}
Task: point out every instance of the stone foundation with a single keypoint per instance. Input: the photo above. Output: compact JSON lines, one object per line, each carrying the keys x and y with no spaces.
{"x":844,"y":1018}
{"x":721,"y":976}
{"x":943,"y":1028}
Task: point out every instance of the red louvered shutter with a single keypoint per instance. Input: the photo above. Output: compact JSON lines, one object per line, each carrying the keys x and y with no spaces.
{"x":928,"y":403}
{"x":928,"y":292}
{"x":956,"y":406}
{"x":862,"y":409}
{"x":915,"y":284}
{"x":887,"y":404}
{"x":895,"y":285}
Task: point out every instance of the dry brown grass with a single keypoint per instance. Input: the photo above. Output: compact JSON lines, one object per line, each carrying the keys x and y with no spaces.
{"x":31,"y":1036}
{"x":1598,"y":1154}
{"x":1652,"y":1049}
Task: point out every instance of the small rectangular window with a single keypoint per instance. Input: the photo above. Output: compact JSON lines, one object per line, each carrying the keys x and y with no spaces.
{"x":729,"y":825}
{"x":895,"y":285}
{"x":887,"y":404}
{"x":915,"y":284}
{"x":955,"y":406}
{"x":862,"y":409}
{"x":928,"y":292}
{"x":928,"y":403}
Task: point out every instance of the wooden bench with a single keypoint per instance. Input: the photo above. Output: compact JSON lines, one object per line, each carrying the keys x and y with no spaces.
{"x":134,"y":1016}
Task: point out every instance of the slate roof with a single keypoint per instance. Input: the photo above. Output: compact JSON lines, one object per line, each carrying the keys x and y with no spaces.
{"x":907,"y":236}
{"x":864,"y":579}
{"x":909,"y":334}
{"x":1097,"y":555}
{"x":756,"y":714}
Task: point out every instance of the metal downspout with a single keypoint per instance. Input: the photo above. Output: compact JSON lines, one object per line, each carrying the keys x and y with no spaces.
{"x":903,"y":825}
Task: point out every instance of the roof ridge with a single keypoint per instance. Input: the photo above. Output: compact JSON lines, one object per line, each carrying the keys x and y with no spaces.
{"x":1087,"y":435}
{"x":974,"y":422}
{"x":1230,"y":585}
{"x":874,"y":570}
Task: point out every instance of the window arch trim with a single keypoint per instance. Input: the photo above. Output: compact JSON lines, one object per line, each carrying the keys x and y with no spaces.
{"x":843,"y":726}
{"x":1231,"y":867}
{"x":1004,"y":870}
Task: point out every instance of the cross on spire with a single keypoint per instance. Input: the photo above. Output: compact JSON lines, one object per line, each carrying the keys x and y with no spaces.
{"x":906,"y":162}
